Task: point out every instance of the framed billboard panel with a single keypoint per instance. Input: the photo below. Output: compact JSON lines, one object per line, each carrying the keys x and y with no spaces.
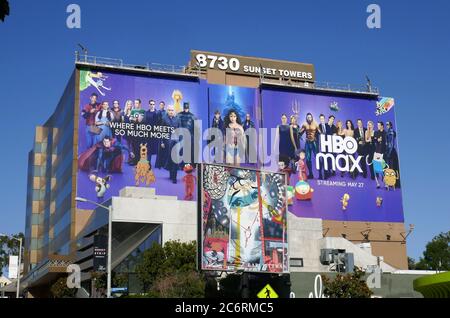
{"x":341,"y":153}
{"x":243,"y":220}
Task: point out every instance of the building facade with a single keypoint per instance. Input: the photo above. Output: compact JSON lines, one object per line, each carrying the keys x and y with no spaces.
{"x":99,"y":157}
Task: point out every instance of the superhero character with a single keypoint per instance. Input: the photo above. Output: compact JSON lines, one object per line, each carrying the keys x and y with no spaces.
{"x":379,"y":201}
{"x":390,"y":178}
{"x":303,"y":191}
{"x":345,"y":198}
{"x":143,"y":170}
{"x":101,"y":184}
{"x":106,"y":156}
{"x":189,"y":182}
{"x":378,"y":166}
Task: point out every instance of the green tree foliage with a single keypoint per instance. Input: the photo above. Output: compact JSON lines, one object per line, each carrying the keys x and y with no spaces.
{"x":352,"y":285}
{"x":188,"y":284}
{"x":437,"y":254}
{"x":60,"y":290}
{"x":411,"y":263}
{"x":9,"y":246}
{"x":4,"y":9}
{"x":170,"y":271}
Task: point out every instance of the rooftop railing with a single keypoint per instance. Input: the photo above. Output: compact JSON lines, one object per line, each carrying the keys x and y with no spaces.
{"x":328,"y":86}
{"x":195,"y":71}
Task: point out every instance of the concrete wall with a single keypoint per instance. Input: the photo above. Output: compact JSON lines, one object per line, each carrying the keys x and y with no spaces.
{"x":179,"y":218}
{"x":304,"y":237}
{"x":391,"y":285}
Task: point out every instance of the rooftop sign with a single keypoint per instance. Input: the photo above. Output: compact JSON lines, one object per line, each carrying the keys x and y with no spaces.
{"x":251,"y":66}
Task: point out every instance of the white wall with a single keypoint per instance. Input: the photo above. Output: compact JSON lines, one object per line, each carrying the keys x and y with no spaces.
{"x":179,"y":218}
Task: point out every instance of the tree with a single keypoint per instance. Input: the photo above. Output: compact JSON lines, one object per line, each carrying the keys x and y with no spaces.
{"x":411,"y":263}
{"x":60,"y":290}
{"x":170,"y":270}
{"x":4,"y":9}
{"x":9,"y":246}
{"x":188,"y":284}
{"x":149,"y":267}
{"x":352,"y":285}
{"x":437,"y":254}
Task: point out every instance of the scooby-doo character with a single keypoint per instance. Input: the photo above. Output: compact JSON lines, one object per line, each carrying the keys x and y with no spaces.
{"x":390,"y":178}
{"x":189,"y":182}
{"x":143,"y":170}
{"x":345,"y":198}
{"x":101,"y":184}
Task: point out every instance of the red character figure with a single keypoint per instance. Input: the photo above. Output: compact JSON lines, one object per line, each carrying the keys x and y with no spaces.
{"x":301,"y":167}
{"x":189,"y":182}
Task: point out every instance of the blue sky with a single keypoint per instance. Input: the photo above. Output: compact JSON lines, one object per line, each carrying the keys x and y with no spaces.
{"x":408,"y":58}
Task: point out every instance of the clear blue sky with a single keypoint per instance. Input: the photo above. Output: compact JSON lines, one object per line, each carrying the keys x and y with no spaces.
{"x":408,"y":58}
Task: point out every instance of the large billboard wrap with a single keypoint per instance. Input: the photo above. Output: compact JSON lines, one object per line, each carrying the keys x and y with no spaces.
{"x":243,"y":217}
{"x":340,"y":153}
{"x":125,"y":126}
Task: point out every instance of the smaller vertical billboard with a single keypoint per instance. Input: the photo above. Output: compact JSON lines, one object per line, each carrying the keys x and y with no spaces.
{"x":243,"y":223}
{"x":13,"y":266}
{"x":100,"y":253}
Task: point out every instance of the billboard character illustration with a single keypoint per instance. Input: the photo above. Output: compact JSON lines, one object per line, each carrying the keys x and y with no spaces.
{"x":189,"y":182}
{"x":106,"y":156}
{"x":301,"y":167}
{"x":177,"y":96}
{"x":344,"y":200}
{"x":143,"y":169}
{"x":96,"y":80}
{"x":101,"y":184}
{"x":303,"y":191}
{"x":378,"y":166}
{"x":390,"y":178}
{"x":379,"y":201}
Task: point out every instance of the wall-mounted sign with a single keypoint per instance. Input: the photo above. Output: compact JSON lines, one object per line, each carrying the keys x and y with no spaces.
{"x":251,"y":66}
{"x":100,"y":253}
{"x":13,"y":267}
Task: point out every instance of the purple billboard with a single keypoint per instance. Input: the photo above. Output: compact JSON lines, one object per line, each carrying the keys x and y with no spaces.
{"x":340,"y":154}
{"x":125,"y":134}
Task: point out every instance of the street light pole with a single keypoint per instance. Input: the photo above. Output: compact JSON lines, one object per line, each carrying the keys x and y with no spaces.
{"x":108,"y":284}
{"x":109,"y":269}
{"x":20,"y":265}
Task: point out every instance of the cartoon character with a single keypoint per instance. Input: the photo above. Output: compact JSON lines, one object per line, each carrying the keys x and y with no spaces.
{"x":334,"y":106}
{"x":143,"y":170}
{"x":215,"y":252}
{"x":283,"y":167}
{"x":301,"y":166}
{"x":101,"y":184}
{"x":390,"y":178}
{"x":290,"y":194}
{"x":303,"y":191}
{"x":177,"y":96}
{"x":379,"y":201}
{"x":378,"y":166}
{"x":345,"y":198}
{"x":189,"y":182}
